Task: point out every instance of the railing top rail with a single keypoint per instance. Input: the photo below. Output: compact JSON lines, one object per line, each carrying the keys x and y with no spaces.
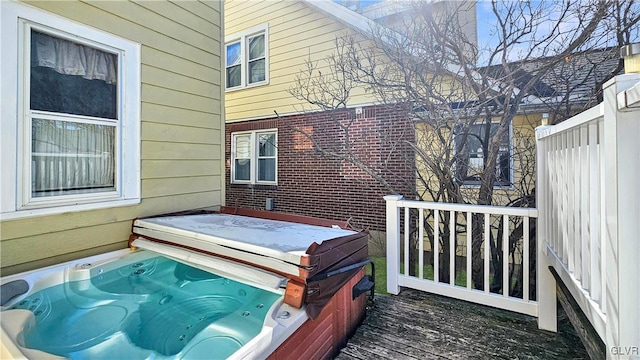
{"x":481,"y":209}
{"x":594,"y":113}
{"x":630,"y":99}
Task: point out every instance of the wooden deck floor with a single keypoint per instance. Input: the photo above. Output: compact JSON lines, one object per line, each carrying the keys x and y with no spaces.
{"x":418,"y":325}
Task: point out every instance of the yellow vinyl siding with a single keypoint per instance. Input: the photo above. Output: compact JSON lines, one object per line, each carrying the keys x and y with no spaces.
{"x":296,"y":33}
{"x":185,"y":117}
{"x":167,"y":60}
{"x":209,"y":10}
{"x":184,"y":168}
{"x":154,"y":150}
{"x":178,"y":99}
{"x":181,"y":129}
{"x":62,"y":242}
{"x":177,"y":186}
{"x":180,"y":13}
{"x":163,"y":78}
{"x":170,"y":133}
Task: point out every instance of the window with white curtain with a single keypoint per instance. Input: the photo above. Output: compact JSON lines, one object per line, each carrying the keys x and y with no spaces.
{"x":71,"y":154}
{"x":247,"y":56}
{"x":254,"y":157}
{"x":76,"y":117}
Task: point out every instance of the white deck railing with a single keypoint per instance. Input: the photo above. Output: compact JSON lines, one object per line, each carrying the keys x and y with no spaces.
{"x":459,"y":241}
{"x":588,"y":227}
{"x":589,"y":204}
{"x":571,"y":203}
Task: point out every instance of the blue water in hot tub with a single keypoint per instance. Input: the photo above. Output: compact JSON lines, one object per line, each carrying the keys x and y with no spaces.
{"x":150,"y":308}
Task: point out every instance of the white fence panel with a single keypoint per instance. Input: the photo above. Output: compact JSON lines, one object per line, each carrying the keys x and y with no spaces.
{"x":589,"y":203}
{"x":495,"y":224}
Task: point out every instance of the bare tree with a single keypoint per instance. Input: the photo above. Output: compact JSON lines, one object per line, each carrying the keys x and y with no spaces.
{"x":459,"y":98}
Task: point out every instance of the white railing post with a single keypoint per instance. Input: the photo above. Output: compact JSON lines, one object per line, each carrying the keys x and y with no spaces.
{"x":393,"y":243}
{"x":622,"y":209}
{"x":545,"y":282}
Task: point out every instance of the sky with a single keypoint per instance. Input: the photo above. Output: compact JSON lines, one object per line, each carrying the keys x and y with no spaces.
{"x":486,"y":24}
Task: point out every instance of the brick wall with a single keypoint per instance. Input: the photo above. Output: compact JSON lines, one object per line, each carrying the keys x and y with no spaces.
{"x":315,"y":184}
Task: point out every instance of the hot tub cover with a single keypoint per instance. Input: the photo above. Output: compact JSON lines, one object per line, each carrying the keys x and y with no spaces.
{"x":298,"y":251}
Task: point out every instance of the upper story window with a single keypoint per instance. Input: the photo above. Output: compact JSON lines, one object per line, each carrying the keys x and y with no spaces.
{"x":254,"y":157}
{"x":75,"y":120}
{"x":473,"y":153}
{"x":247,"y":59}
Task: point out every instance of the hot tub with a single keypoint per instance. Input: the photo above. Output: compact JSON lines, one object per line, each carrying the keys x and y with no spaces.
{"x":138,"y":304}
{"x":193,"y":286}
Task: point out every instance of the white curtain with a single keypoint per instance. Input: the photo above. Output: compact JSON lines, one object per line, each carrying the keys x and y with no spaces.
{"x":242,"y":157}
{"x":70,"y":158}
{"x":69,"y":58}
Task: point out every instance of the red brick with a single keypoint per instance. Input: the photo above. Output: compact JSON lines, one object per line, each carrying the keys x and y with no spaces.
{"x":313,"y":185}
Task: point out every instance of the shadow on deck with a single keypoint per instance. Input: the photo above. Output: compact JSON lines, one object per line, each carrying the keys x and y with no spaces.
{"x":418,"y":325}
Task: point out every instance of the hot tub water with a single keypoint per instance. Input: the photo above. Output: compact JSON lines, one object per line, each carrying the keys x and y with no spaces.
{"x":144,"y":307}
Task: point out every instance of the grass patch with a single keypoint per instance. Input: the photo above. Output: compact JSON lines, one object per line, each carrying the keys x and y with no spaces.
{"x":381,"y":274}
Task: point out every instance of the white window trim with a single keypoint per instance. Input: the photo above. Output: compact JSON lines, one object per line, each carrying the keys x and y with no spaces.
{"x":244,"y":55}
{"x":472,"y":185}
{"x":15,"y":147}
{"x":254,"y":157}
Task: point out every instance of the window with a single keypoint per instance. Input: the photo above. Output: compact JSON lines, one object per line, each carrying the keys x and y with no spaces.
{"x":247,"y":59}
{"x":75,"y":116}
{"x":254,"y":157}
{"x":471,"y":170}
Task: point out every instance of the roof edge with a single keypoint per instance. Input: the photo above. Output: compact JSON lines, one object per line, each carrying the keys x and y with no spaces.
{"x":345,"y":16}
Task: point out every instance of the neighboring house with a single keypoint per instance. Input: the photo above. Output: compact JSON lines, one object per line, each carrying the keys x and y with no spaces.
{"x":273,"y":140}
{"x":115,"y":112}
{"x":568,"y":88}
{"x":272,"y":158}
{"x":563,"y":91}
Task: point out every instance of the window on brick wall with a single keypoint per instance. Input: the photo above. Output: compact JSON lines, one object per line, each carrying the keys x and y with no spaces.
{"x":254,"y":157}
{"x":474,"y":157}
{"x":247,"y":58}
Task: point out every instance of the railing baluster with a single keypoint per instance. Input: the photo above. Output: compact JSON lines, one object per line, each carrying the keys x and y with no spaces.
{"x":505,"y":256}
{"x":436,"y":247}
{"x":585,"y":152}
{"x":525,"y":258}
{"x":565,"y":202}
{"x":393,"y":243}
{"x":594,"y":211}
{"x":421,"y":244}
{"x":577,"y":238}
{"x":469,"y":250}
{"x":603,"y":219}
{"x":549,"y":182}
{"x":406,"y":241}
{"x":569,"y":161}
{"x":558,"y":198}
{"x":487,"y":253}
{"x":452,"y":248}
